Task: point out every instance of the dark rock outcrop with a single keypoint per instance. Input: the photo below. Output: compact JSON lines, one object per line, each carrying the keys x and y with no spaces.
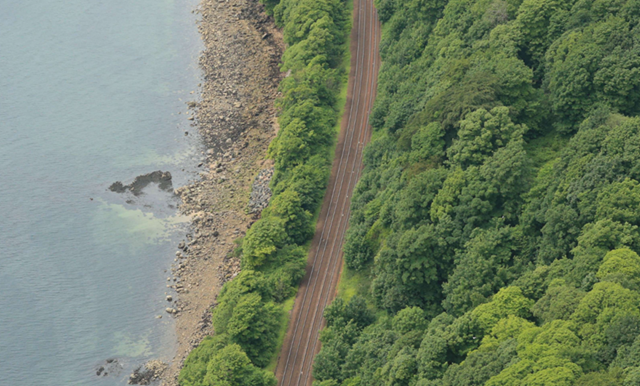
{"x":163,"y":179}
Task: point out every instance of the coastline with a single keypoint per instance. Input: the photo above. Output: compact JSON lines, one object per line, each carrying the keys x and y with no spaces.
{"x":235,"y":117}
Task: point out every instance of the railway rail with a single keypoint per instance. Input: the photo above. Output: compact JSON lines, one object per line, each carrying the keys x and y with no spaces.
{"x":318,"y":287}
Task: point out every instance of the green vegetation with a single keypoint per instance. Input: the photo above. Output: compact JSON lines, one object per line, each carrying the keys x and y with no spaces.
{"x":494,"y":233}
{"x":250,"y":315}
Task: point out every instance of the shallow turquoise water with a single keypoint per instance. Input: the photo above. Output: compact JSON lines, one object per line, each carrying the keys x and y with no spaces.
{"x":90,"y":93}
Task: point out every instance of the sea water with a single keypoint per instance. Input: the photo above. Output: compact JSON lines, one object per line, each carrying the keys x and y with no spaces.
{"x":91,"y":92}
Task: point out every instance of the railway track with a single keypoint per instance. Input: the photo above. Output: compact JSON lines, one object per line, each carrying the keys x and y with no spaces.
{"x":325,"y":257}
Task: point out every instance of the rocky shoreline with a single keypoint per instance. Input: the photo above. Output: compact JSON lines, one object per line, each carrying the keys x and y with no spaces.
{"x":236,"y":120}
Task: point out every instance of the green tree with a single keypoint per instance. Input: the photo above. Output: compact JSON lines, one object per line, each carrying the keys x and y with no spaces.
{"x":594,"y":63}
{"x":620,"y":202}
{"x":488,"y":262}
{"x":545,"y":357}
{"x":262,"y":241}
{"x":254,"y":326}
{"x":506,"y":329}
{"x":286,"y":271}
{"x":369,"y":353}
{"x":246,"y":282}
{"x":336,"y":340}
{"x":600,"y":309}
{"x":621,"y":265}
{"x":340,"y":313}
{"x":409,"y":269}
{"x":481,"y":134}
{"x":292,"y":146}
{"x":479,"y":366}
{"x":428,"y":143}
{"x":628,"y":354}
{"x":594,"y":243}
{"x":607,"y":298}
{"x":401,"y":369}
{"x":559,"y":302}
{"x":231,"y":367}
{"x":297,"y":221}
{"x":414,"y":202}
{"x":633,"y":378}
{"x":195,"y":366}
{"x":535,"y":35}
{"x":269,"y":5}
{"x":409,"y":319}
{"x":618,"y":336}
{"x":508,"y":301}
{"x":611,"y":378}
{"x":308,"y":180}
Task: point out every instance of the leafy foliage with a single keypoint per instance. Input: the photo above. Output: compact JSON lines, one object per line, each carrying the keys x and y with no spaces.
{"x":230,"y":366}
{"x":216,"y":363}
{"x":494,"y":258}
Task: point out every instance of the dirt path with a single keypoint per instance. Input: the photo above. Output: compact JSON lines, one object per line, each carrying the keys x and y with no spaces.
{"x":325,"y":257}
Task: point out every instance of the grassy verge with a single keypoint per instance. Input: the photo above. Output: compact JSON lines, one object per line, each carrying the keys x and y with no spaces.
{"x":287,"y":306}
{"x":354,"y":283}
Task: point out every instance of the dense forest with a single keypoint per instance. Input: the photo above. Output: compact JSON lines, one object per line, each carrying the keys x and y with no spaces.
{"x":494,"y":232}
{"x":251,"y":313}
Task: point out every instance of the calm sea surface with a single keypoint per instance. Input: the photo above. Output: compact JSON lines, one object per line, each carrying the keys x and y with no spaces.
{"x":90,"y":93}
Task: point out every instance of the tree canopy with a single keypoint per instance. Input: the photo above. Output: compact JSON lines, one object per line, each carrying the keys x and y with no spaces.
{"x":495,"y":224}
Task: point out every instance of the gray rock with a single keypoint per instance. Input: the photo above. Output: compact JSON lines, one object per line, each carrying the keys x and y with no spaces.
{"x":260,"y":192}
